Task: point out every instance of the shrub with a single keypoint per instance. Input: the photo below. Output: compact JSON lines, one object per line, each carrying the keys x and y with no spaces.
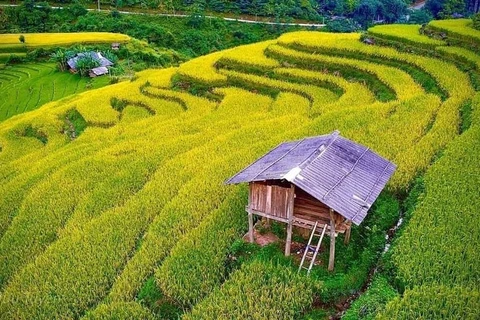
{"x":85,"y":64}
{"x":343,"y":25}
{"x":476,"y":21}
{"x":372,"y":301}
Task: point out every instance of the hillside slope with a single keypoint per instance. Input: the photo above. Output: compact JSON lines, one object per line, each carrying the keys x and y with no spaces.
{"x":85,"y":222}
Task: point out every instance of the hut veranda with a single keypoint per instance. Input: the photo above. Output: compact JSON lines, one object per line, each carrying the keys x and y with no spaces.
{"x":322,"y":183}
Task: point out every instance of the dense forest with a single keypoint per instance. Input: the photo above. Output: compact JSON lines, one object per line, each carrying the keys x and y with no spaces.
{"x":364,"y":12}
{"x":192,"y":36}
{"x":339,"y":16}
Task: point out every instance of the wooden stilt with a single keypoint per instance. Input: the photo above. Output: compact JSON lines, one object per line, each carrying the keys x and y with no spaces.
{"x":250,"y":227}
{"x":288,"y":243}
{"x":347,"y":235}
{"x":291,"y":199}
{"x":269,"y":204}
{"x":250,"y":214}
{"x":331,"y":260}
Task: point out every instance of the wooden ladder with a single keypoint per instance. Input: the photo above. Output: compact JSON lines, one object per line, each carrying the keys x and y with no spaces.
{"x":310,"y":248}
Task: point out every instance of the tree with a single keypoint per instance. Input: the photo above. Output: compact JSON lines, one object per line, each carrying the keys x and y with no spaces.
{"x":256,"y":8}
{"x":367,"y":11}
{"x":452,"y":6}
{"x":34,"y":16}
{"x":76,"y":10}
{"x":4,"y":20}
{"x":474,"y":6}
{"x":476,"y":21}
{"x":21,"y":38}
{"x":111,"y":56}
{"x":343,"y":25}
{"x":85,"y":64}
{"x":444,"y":9}
{"x":351,"y":5}
{"x":61,"y":57}
{"x":170,"y":6}
{"x":394,"y":10}
{"x":420,"y":16}
{"x":434,"y":6}
{"x":197,"y":17}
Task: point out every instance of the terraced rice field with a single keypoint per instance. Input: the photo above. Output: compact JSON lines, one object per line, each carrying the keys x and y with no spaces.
{"x":26,"y":87}
{"x":35,"y":40}
{"x":86,"y":223}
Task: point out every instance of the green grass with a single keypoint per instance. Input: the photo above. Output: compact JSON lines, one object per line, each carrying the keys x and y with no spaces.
{"x":372,"y":301}
{"x":26,"y":87}
{"x":4,"y":57}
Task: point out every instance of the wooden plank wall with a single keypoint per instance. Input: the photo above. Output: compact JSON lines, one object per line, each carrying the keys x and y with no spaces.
{"x":270,"y":198}
{"x":308,"y":208}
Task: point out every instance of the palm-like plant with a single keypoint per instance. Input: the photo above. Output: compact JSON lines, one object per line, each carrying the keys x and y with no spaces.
{"x":85,"y":64}
{"x":61,"y":57}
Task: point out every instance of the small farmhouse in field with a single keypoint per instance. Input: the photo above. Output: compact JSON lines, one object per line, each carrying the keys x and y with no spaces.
{"x":325,"y":180}
{"x":104,"y":63}
{"x":99,"y":71}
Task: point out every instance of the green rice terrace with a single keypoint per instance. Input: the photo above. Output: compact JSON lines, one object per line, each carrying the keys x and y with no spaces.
{"x":130,"y":216}
{"x":28,"y":86}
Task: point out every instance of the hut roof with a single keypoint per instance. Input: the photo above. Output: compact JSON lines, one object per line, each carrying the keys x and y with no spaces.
{"x":104,"y":62}
{"x":99,"y":71}
{"x":344,"y":175}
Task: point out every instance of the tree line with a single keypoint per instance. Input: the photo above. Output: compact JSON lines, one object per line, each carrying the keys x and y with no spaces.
{"x":344,"y":13}
{"x":192,"y":36}
{"x":339,"y":15}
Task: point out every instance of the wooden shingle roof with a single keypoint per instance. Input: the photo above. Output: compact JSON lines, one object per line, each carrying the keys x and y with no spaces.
{"x":343,"y":174}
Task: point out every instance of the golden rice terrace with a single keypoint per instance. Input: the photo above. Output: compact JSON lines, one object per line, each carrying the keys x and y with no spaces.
{"x":137,"y":202}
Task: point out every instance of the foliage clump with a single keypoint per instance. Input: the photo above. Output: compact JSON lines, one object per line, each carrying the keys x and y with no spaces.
{"x":476,"y":21}
{"x":372,"y":302}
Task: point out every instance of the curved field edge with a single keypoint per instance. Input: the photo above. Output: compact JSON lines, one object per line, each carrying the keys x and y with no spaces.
{"x":438,"y":286}
{"x":185,"y":141}
{"x":33,"y":40}
{"x":38,"y":84}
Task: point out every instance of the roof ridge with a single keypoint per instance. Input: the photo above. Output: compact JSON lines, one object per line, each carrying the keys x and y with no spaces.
{"x":333,"y":136}
{"x":251,"y":164}
{"x":280,"y":158}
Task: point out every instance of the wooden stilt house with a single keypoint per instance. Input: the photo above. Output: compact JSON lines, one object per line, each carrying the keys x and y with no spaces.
{"x":324,"y":181}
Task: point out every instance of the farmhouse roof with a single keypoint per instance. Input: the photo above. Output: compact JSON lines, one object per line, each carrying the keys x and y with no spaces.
{"x":344,"y":175}
{"x":99,"y":71}
{"x":104,"y":62}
